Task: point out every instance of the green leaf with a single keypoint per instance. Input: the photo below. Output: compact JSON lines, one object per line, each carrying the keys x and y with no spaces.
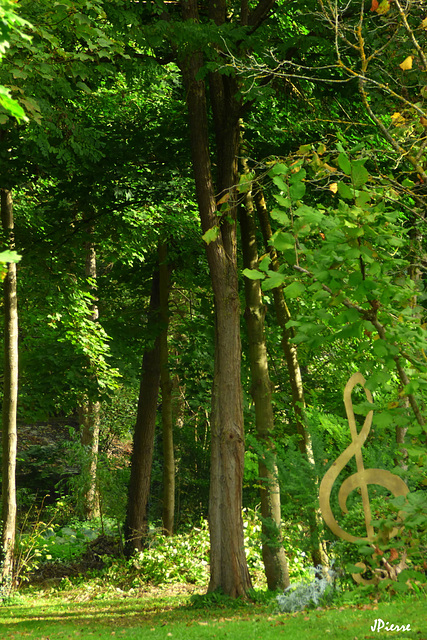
{"x":245,"y":182}
{"x":278,"y":169}
{"x":279,"y":183}
{"x":380,"y":348}
{"x":359,"y":173}
{"x":310,"y":215}
{"x":280,"y":216}
{"x":384,"y":419}
{"x":409,"y":184}
{"x":284,"y":202}
{"x":274,"y":280}
{"x":9,"y":256}
{"x":253,"y":274}
{"x":344,"y":163}
{"x":294,"y":290}
{"x":298,"y":176}
{"x":363,"y":198}
{"x":264,"y":264}
{"x":297,"y":190}
{"x":282,"y":241}
{"x":211,"y":234}
{"x":345,"y":191}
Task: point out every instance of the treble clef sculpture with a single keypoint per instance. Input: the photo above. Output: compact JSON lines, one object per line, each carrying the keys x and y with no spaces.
{"x":362,"y":478}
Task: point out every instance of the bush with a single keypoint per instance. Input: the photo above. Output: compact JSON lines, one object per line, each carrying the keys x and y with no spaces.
{"x":180,"y":558}
{"x":308,"y":592}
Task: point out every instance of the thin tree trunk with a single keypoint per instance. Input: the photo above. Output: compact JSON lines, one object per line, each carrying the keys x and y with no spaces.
{"x":10,"y":401}
{"x":90,"y":411}
{"x":90,"y":420}
{"x":143,"y":439}
{"x":273,"y":553}
{"x":283,"y":315}
{"x":228,"y":564}
{"x":166,"y":387}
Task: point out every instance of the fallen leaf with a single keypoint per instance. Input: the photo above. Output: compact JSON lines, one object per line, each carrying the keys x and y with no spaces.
{"x":375,"y":5}
{"x":406,"y":64}
{"x":424,"y":23}
{"x":333,"y":187}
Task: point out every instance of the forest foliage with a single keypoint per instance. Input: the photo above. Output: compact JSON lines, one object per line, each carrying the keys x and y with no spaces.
{"x":319,"y":111}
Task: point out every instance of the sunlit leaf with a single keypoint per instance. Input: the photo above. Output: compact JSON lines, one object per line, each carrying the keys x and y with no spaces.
{"x":253,"y":274}
{"x":406,"y":64}
{"x":397,"y":119}
{"x":211,"y":234}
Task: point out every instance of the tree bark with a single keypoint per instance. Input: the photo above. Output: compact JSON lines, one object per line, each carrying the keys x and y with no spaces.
{"x":90,"y":411}
{"x":143,"y":439}
{"x":318,"y":551}
{"x":10,"y":401}
{"x":166,"y":388}
{"x":228,"y":566}
{"x":273,"y":553}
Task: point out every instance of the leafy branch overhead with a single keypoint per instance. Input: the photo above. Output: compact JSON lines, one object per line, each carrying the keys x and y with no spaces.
{"x":354,"y":250}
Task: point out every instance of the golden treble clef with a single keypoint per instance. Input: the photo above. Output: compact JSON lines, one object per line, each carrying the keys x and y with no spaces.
{"x":362,"y":478}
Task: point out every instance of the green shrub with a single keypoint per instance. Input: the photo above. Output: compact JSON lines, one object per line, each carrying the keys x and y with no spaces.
{"x":179,"y":558}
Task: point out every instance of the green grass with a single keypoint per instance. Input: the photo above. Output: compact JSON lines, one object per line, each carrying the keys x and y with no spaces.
{"x":60,"y":615}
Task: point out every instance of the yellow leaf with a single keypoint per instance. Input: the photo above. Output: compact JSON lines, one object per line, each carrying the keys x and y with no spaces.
{"x":407,"y":63}
{"x":333,"y":187}
{"x":392,"y":405}
{"x":383,"y":7}
{"x":322,"y":147}
{"x":424,"y":23}
{"x":397,"y":119}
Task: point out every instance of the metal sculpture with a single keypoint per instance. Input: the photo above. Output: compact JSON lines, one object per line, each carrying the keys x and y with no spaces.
{"x":359,"y":480}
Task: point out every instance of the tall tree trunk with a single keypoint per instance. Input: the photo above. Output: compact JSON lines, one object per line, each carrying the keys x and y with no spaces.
{"x":166,"y":387}
{"x":143,"y":439}
{"x":273,"y":553}
{"x":10,"y":400}
{"x":228,"y":564}
{"x":318,"y":551}
{"x":89,"y":411}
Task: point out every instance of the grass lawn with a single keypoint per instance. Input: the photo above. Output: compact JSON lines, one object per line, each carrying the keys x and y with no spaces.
{"x":156,"y":615}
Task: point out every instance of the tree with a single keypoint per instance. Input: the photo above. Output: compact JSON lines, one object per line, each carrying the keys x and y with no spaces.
{"x":168,"y":498}
{"x":143,"y":440}
{"x":10,"y":400}
{"x":276,"y":567}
